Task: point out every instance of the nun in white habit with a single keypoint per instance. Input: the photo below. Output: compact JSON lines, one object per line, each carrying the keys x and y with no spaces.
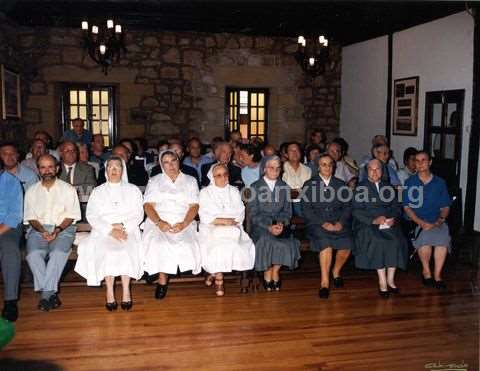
{"x":225,"y":246}
{"x":114,"y":246}
{"x":170,"y":236}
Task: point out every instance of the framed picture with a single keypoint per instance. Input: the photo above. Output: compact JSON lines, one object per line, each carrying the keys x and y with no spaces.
{"x":405,"y":106}
{"x":11,"y":98}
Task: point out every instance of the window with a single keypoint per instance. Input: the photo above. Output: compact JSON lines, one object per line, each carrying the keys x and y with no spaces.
{"x":247,"y":110}
{"x":92,"y":103}
{"x":443,"y":133}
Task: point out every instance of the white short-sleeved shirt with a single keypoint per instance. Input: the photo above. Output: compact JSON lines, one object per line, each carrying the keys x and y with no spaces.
{"x":172,"y":199}
{"x":51,"y":206}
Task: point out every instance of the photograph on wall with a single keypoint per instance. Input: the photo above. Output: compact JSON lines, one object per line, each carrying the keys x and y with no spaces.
{"x":11,"y":107}
{"x":405,"y":106}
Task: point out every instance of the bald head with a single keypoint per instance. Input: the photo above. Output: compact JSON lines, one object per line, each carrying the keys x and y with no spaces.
{"x":374,"y":168}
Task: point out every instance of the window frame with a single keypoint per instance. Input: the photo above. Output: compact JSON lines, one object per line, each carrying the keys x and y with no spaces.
{"x":250,"y":90}
{"x":65,"y":88}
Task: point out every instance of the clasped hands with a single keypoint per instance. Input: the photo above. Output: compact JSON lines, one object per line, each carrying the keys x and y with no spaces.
{"x":49,"y":237}
{"x":167,"y":227}
{"x":332,"y":227}
{"x":225,"y":221}
{"x":381,"y":220}
{"x":118,"y":232}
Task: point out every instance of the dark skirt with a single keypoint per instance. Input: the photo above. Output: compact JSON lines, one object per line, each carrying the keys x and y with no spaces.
{"x":271,"y":250}
{"x":377,"y":249}
{"x":321,"y":239}
{"x":439,"y":236}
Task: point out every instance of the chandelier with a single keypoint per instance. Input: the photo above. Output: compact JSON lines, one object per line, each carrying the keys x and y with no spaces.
{"x":104,"y":44}
{"x":312,"y":55}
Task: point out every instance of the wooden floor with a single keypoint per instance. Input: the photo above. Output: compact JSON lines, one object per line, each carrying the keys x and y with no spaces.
{"x":192,"y":329}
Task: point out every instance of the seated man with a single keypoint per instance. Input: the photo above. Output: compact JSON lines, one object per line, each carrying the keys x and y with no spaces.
{"x":342,"y":171}
{"x":38,"y":148}
{"x":78,"y":133}
{"x":11,"y":210}
{"x":9,"y":156}
{"x":51,"y":208}
{"x":80,"y":175}
{"x":295,"y":174}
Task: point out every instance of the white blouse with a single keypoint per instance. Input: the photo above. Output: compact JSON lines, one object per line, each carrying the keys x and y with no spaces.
{"x":172,"y":199}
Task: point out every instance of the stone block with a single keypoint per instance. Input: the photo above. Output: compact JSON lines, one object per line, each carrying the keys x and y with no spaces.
{"x":151,"y":41}
{"x":149,"y":102}
{"x":192,"y":57}
{"x":172,"y":55}
{"x":233,"y":43}
{"x":60,"y":40}
{"x":150,"y":73}
{"x":169,"y":72}
{"x":169,"y":39}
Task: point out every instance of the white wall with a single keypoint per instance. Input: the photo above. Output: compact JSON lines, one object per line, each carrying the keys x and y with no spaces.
{"x":364,"y":94}
{"x":439,"y":52}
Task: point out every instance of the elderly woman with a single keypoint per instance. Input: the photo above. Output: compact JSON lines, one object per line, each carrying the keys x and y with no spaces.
{"x":427,"y":203}
{"x":113,"y":248}
{"x":271,"y":211}
{"x":170,"y":234}
{"x":379,"y":240}
{"x":327,"y":215}
{"x":224,"y":244}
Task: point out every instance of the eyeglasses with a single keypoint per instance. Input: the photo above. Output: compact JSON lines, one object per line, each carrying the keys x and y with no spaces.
{"x":221,"y":175}
{"x":276,"y":168}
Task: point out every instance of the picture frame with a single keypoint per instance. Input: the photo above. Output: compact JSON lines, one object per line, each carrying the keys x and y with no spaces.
{"x":11,"y":93}
{"x":405,"y":106}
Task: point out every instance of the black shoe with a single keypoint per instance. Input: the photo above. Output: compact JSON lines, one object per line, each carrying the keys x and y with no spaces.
{"x":44,"y":305}
{"x":160,"y":291}
{"x":276,"y":285}
{"x":384,"y":294}
{"x":126,"y":305}
{"x":324,"y":292}
{"x":338,"y":282}
{"x":268,"y":285}
{"x":150,"y":279}
{"x":393,"y":290}
{"x":440,"y":285}
{"x":10,"y":310}
{"x":111,"y":306}
{"x":428,"y":282}
{"x":54,"y":301}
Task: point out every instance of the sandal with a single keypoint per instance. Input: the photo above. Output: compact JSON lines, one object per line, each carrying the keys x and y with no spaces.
{"x":209,"y":280}
{"x":219,"y":288}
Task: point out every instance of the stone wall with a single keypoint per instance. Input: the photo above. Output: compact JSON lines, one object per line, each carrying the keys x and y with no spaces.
{"x":174,"y":83}
{"x":12,"y":57}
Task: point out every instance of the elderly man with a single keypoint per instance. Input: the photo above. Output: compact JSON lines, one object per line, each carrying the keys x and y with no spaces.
{"x":341,"y":169}
{"x":195,"y":158}
{"x":11,"y":210}
{"x":98,"y":152}
{"x":9,"y":156}
{"x":379,"y":241}
{"x":78,"y":133}
{"x":38,"y":148}
{"x":51,"y":209}
{"x":223,"y":154}
{"x":295,"y":174}
{"x":78,"y":174}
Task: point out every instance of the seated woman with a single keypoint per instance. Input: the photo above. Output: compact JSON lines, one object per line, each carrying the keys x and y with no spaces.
{"x":170,"y":234}
{"x":223,"y":243}
{"x":427,"y":203}
{"x":271,"y":211}
{"x":328,"y":219}
{"x":113,"y":248}
{"x":379,"y":240}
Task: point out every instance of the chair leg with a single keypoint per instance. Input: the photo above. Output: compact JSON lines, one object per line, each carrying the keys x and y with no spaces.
{"x":244,"y":282}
